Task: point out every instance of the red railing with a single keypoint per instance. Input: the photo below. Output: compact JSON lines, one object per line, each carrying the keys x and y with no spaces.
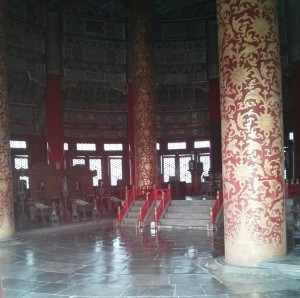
{"x":292,"y":190}
{"x":130,"y":196}
{"x":164,"y":195}
{"x":155,"y":194}
{"x":217,"y":206}
{"x":150,"y":199}
{"x":140,"y":193}
{"x":150,"y":196}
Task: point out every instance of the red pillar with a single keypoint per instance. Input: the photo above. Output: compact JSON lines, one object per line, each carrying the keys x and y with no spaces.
{"x":54,"y":121}
{"x":252,"y":132}
{"x":215,"y":125}
{"x":214,"y":97}
{"x":131,"y":135}
{"x":54,"y":109}
{"x":7,"y":223}
{"x":144,"y":95}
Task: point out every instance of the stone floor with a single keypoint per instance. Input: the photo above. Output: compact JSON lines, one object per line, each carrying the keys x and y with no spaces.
{"x":96,"y":259}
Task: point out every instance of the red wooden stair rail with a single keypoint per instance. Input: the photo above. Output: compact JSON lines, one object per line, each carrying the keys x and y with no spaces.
{"x":130,"y":196}
{"x":150,"y":198}
{"x":217,"y":206}
{"x":164,"y":195}
{"x":155,"y":194}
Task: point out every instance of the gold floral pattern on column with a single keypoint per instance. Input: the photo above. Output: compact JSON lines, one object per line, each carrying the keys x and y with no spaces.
{"x":144,"y":94}
{"x":252,"y":130}
{"x":7,"y":225}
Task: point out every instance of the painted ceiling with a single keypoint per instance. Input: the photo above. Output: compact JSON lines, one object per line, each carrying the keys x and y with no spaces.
{"x":167,"y":9}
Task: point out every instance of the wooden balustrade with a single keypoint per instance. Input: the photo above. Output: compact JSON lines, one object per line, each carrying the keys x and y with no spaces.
{"x":164,"y":200}
{"x":150,"y":195}
{"x":130,"y":195}
{"x":216,"y":207}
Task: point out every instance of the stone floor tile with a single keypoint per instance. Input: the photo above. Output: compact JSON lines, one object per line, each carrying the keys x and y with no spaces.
{"x":99,"y":260}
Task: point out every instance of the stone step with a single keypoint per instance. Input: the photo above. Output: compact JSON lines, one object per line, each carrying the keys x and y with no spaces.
{"x":132,"y":222}
{"x":187,"y":215}
{"x":136,"y":205}
{"x":192,"y":202}
{"x":186,"y":223}
{"x":135,"y":208}
{"x":132,"y":214}
{"x":139,"y":203}
{"x":203,"y":209}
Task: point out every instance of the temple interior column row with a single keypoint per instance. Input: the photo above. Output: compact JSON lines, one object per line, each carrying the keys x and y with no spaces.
{"x":247,"y":83}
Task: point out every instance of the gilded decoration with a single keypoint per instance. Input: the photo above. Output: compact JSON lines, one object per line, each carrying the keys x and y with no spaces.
{"x":252,"y":130}
{"x":144,"y":93}
{"x":6,"y":204}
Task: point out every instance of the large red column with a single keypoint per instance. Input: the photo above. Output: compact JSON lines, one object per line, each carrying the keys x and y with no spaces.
{"x":131,"y":134}
{"x":54,"y":109}
{"x":215,"y":125}
{"x":214,"y":97}
{"x":294,"y":47}
{"x":252,"y":131}
{"x":7,"y":223}
{"x":144,"y":95}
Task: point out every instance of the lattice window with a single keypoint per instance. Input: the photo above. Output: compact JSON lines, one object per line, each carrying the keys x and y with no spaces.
{"x":113,"y":147}
{"x":205,"y":159}
{"x":78,"y":161}
{"x":86,"y":147}
{"x":201,"y":144}
{"x":116,"y":170}
{"x":26,"y":178}
{"x":21,"y":162}
{"x":169,"y":169}
{"x":18,"y":144}
{"x":176,"y":145}
{"x":96,"y":165}
{"x":184,"y":173}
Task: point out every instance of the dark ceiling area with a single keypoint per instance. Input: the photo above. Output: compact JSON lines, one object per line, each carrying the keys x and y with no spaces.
{"x":162,"y":9}
{"x":95,"y":47}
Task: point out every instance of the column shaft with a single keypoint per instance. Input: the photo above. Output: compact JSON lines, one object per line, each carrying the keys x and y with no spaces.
{"x":144,"y":94}
{"x":7,"y":223}
{"x":214,"y":98}
{"x":131,"y":133}
{"x":252,"y":131}
{"x":215,"y":125}
{"x":54,"y":109}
